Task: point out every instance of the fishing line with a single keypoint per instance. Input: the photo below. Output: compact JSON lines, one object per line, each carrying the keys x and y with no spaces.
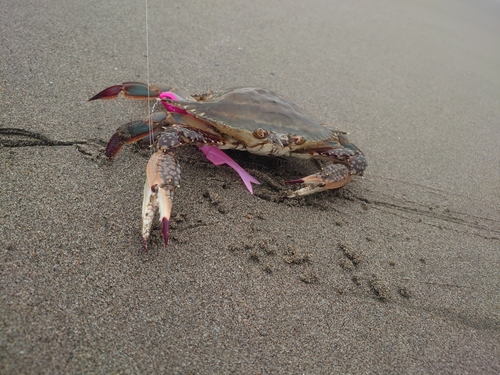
{"x":150,"y":110}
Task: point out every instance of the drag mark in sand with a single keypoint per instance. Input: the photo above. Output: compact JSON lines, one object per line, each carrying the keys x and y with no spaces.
{"x":15,"y":137}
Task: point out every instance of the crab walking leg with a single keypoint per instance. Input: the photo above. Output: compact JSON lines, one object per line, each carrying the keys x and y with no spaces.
{"x":163,"y":177}
{"x":333,"y":176}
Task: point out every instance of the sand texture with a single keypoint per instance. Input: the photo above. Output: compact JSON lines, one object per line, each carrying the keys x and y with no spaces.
{"x":397,"y":273}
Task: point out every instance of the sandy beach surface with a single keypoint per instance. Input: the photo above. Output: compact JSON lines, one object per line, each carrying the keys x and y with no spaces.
{"x":397,"y":273}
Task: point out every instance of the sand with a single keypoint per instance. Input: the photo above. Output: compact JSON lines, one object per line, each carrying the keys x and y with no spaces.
{"x":396,"y":273}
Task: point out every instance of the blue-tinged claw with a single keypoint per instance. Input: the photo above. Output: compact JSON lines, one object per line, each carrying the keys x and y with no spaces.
{"x":133,"y":132}
{"x":134,"y":90}
{"x":109,"y":93}
{"x":344,"y":141}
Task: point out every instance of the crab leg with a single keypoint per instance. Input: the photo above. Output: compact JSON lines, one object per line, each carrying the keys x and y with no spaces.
{"x":346,"y":163}
{"x":333,"y":176}
{"x":133,"y":132}
{"x":163,"y":177}
{"x":134,"y":90}
{"x":352,"y":154}
{"x":347,"y":160}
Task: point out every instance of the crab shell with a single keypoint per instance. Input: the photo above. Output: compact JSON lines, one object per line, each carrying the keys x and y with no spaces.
{"x":257,"y":119}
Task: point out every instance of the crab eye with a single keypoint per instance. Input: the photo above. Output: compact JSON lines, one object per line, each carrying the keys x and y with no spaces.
{"x":298,"y":140}
{"x":343,"y":139}
{"x":260,"y":133}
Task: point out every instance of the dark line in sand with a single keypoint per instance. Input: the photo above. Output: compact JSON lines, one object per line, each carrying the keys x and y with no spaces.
{"x":32,"y":139}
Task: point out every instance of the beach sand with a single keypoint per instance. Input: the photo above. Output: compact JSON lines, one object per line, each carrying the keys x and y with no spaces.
{"x":396,"y":273}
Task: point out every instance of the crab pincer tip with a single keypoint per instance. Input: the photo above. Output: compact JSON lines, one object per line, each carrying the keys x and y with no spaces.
{"x":144,"y":244}
{"x":109,"y":93}
{"x":298,"y":181}
{"x":114,"y":145}
{"x":165,"y":230}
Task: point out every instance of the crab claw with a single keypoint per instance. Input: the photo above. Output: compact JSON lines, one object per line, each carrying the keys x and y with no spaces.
{"x":163,"y":176}
{"x":135,"y":90}
{"x":133,"y":132}
{"x":357,"y":164}
{"x":333,"y":176}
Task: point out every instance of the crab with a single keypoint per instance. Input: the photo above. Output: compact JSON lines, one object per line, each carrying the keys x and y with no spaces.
{"x":245,"y":118}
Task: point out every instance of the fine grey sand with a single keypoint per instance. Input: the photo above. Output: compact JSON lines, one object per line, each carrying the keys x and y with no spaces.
{"x":396,"y":273}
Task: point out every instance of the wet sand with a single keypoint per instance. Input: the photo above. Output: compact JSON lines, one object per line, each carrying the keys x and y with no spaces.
{"x":396,"y":273}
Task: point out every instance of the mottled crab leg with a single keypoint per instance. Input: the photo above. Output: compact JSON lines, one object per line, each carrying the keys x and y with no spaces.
{"x":164,"y":173}
{"x":347,"y":160}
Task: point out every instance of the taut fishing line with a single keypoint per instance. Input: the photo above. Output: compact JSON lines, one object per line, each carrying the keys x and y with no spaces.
{"x":150,"y":110}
